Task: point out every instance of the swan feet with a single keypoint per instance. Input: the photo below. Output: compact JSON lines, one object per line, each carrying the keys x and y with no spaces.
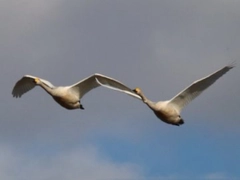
{"x":181,"y":121}
{"x":81,"y":107}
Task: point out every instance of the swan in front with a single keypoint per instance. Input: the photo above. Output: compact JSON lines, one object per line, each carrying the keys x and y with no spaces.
{"x":169,"y":111}
{"x":69,"y":96}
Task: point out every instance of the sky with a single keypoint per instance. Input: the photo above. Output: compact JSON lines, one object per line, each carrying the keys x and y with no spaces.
{"x":160,"y":46}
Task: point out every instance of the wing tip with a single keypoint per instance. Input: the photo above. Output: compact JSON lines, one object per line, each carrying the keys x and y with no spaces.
{"x":232,"y":64}
{"x":16,"y":95}
{"x":133,"y":94}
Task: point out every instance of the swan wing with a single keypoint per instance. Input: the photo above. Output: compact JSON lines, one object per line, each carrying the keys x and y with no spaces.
{"x":114,"y":84}
{"x":84,"y":86}
{"x":196,"y":88}
{"x":25,"y":84}
{"x":96,"y":80}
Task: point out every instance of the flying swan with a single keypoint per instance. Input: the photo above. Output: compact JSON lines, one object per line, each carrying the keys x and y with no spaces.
{"x":169,"y":111}
{"x":69,"y":96}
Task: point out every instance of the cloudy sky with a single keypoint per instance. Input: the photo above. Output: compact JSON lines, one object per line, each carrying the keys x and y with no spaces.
{"x":160,"y":46}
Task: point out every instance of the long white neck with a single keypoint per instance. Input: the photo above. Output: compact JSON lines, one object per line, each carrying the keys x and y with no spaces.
{"x":149,"y":103}
{"x":47,"y":88}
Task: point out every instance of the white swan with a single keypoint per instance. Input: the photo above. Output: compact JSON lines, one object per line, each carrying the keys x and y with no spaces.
{"x":69,"y":96}
{"x":169,"y":111}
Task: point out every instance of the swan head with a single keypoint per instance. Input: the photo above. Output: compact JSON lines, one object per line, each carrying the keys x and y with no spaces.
{"x":37,"y":80}
{"x":137,"y":90}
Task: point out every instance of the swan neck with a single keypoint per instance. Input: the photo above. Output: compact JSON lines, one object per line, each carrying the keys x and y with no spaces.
{"x":47,"y":88}
{"x":144,"y":98}
{"x":150,"y":104}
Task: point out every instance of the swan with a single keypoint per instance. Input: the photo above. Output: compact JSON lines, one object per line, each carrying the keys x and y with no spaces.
{"x":169,"y":111}
{"x":69,"y":96}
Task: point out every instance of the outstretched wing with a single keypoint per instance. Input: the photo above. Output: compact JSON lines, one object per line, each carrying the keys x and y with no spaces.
{"x":196,"y":88}
{"x":84,"y":86}
{"x":95,"y":80}
{"x":26,"y":84}
{"x":115,"y":85}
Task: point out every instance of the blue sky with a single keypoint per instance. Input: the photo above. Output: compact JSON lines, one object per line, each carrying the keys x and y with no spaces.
{"x":160,"y":46}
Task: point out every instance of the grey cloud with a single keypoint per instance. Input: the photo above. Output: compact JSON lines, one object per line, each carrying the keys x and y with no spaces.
{"x":80,"y":163}
{"x":161,"y":46}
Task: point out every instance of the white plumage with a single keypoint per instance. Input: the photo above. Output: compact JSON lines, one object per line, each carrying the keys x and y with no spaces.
{"x":169,"y":111}
{"x":69,"y":96}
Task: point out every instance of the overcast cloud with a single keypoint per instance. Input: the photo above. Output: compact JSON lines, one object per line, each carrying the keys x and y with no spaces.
{"x":160,"y":46}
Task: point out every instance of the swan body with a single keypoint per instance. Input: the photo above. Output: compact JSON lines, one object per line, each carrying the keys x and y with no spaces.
{"x":69,"y":96}
{"x":169,"y":111}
